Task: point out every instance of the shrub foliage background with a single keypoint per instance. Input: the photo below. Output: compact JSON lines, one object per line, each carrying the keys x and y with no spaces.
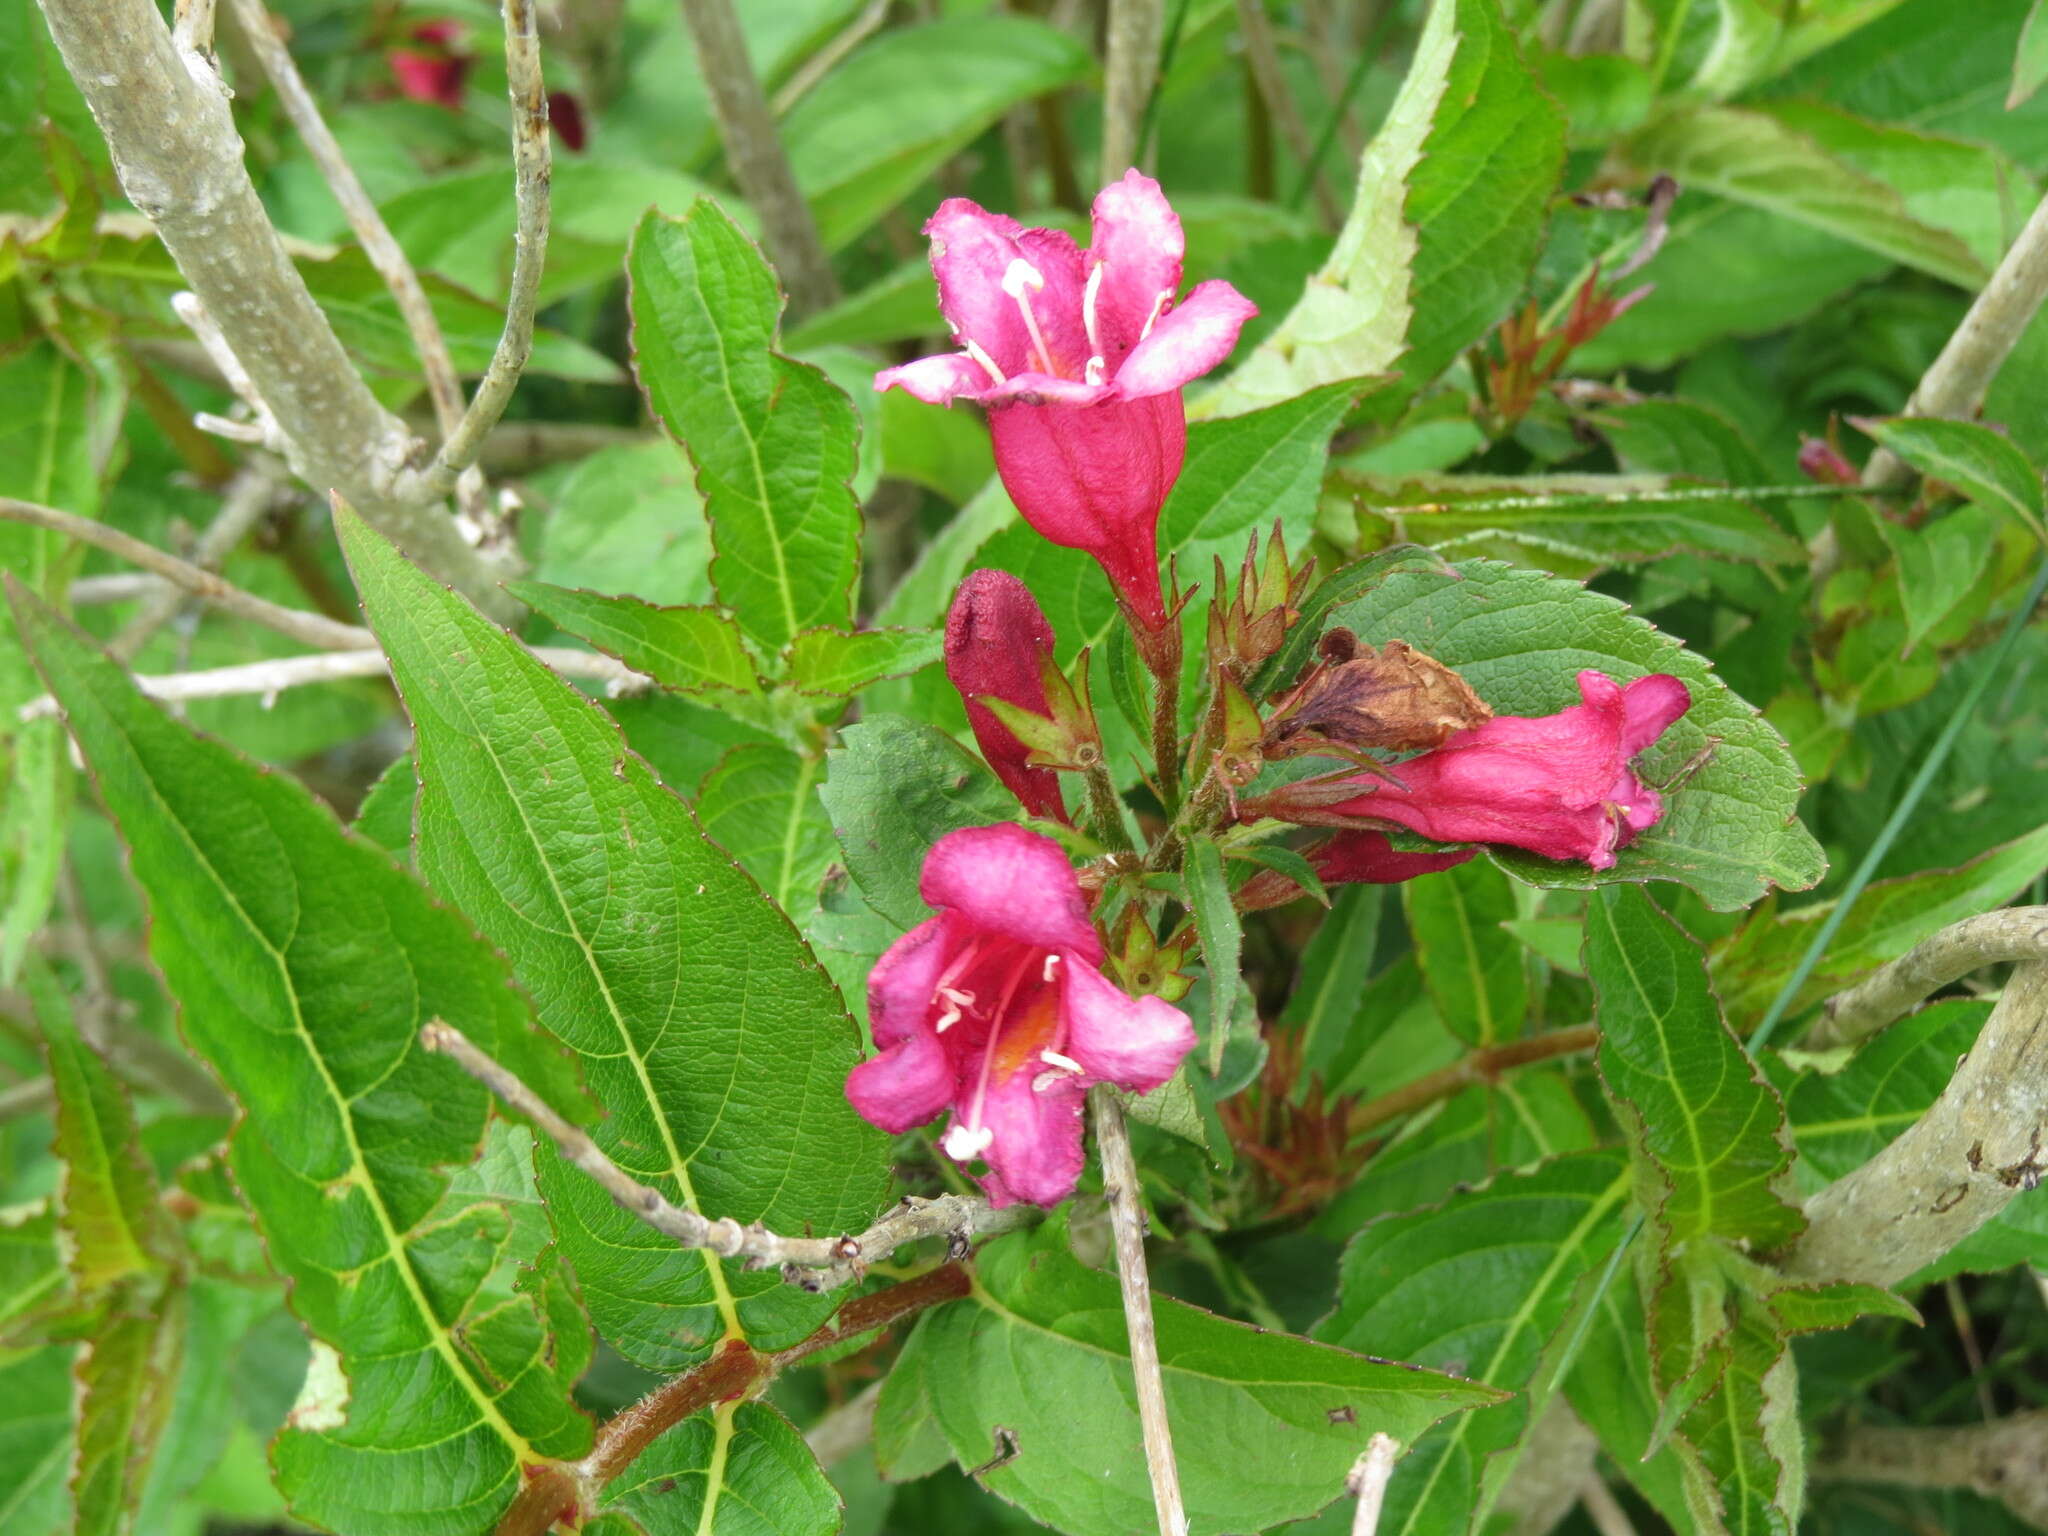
{"x":1590,"y":337}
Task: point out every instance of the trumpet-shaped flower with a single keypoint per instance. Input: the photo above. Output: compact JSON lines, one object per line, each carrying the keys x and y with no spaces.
{"x":1558,"y":785}
{"x":1080,"y":356}
{"x":997,"y":1009}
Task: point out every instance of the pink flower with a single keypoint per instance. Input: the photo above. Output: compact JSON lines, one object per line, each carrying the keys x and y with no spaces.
{"x":434,"y":68}
{"x":1080,"y":356}
{"x":1367,"y":858}
{"x":1559,"y":785}
{"x":997,"y":1009}
{"x":997,"y":644}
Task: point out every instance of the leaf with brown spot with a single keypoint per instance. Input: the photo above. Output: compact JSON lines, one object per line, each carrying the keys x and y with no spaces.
{"x":1395,"y":698}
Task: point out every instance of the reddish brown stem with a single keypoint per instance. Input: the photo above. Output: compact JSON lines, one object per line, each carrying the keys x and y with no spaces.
{"x":732,"y":1372}
{"x":1481,"y":1066}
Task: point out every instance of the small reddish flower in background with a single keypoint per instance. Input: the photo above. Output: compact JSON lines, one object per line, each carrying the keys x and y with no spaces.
{"x":434,"y":64}
{"x":1820,"y":459}
{"x":997,"y":643}
{"x":997,"y":1009}
{"x":1080,"y":357}
{"x":1558,"y":785}
{"x":565,"y":117}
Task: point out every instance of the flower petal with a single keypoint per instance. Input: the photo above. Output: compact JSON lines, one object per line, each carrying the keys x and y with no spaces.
{"x":1056,"y":306}
{"x":1011,"y":881}
{"x":1138,"y":244}
{"x":1036,"y":1150}
{"x":1652,"y":704}
{"x":900,"y":986}
{"x":906,"y":1085}
{"x":1188,"y":341}
{"x":1134,"y":1042}
{"x":1367,"y":858}
{"x":1094,"y":479}
{"x":938,"y":380}
{"x":1033,"y":388}
{"x":971,"y":251}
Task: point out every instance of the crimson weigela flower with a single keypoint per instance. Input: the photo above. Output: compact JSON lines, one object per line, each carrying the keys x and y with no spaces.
{"x":997,"y":1009}
{"x":997,"y":645}
{"x":1080,"y":357}
{"x":1558,"y":785}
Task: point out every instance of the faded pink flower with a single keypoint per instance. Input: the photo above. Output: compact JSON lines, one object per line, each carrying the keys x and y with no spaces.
{"x":997,"y":643}
{"x":1558,"y":785}
{"x":1080,"y":357}
{"x":997,"y":1009}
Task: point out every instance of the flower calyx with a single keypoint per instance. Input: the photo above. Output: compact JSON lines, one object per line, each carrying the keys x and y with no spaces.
{"x":1066,"y":736}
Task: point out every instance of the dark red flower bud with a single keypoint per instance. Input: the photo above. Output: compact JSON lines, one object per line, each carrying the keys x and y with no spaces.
{"x":998,"y":644}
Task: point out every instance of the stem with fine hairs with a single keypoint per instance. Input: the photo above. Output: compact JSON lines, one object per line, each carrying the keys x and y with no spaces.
{"x":1127,"y":1224}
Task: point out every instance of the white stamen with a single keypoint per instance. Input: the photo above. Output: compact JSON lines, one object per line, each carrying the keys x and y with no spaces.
{"x":1158,"y":308}
{"x":1020,"y":275}
{"x":1045,"y":1080}
{"x":1092,"y":374}
{"x":1051,"y":964}
{"x":988,"y":364}
{"x":964,"y":1143}
{"x":1064,"y":1063}
{"x":1020,"y":281}
{"x":956,"y":1002}
{"x":1088,"y":309}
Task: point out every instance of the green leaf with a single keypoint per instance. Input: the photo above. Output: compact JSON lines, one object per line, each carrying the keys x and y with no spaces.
{"x":1342,"y":587}
{"x":689,"y":649}
{"x":834,"y":661}
{"x":740,"y":1470}
{"x":1077,"y":1463}
{"x":761,"y":805}
{"x":33,"y":1273}
{"x":1609,"y":1388}
{"x":900,"y":306}
{"x":1206,"y":889}
{"x":716,"y":1046}
{"x":305,"y":963}
{"x":47,"y":446}
{"x":2030,"y":64}
{"x":1602,"y":520}
{"x":1478,"y":981}
{"x":1939,"y":564}
{"x":385,"y":815}
{"x":1519,"y":637}
{"x":1751,"y":157}
{"x":1706,"y":1129}
{"x":1446,"y":221}
{"x":126,"y":1372}
{"x":108,"y":1199}
{"x":1982,"y":464}
{"x":35,"y":1441}
{"x":888,"y":116}
{"x":1478,"y":1285}
{"x":1334,"y":968}
{"x":1890,"y":918}
{"x":773,"y":440}
{"x":627,"y":519}
{"x":893,"y":788}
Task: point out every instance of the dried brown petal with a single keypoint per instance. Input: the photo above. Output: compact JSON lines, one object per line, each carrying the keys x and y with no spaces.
{"x":1396,"y":698}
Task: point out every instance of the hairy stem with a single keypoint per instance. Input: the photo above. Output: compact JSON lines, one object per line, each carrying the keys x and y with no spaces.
{"x":1106,"y":809}
{"x":1127,"y":1224}
{"x":1992,"y":938}
{"x":816,"y":1263}
{"x":164,"y":114}
{"x":530,"y":176}
{"x":1957,"y":381}
{"x":385,"y":253}
{"x":307,"y":628}
{"x":754,"y":151}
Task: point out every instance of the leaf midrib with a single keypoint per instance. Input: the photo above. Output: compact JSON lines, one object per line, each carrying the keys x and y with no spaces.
{"x":679,"y":1167}
{"x":359,"y":1172}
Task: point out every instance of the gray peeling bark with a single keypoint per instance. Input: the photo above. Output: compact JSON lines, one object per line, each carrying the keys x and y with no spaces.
{"x":1958,"y":1166}
{"x":164,"y":114}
